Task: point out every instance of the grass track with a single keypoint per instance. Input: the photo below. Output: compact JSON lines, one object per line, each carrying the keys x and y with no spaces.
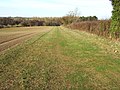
{"x":62,"y":60}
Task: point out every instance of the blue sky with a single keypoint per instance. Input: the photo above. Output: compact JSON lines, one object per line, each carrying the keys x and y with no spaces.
{"x":55,"y":8}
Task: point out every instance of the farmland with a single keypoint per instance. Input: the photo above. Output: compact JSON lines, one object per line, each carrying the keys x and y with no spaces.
{"x":57,"y":58}
{"x":12,"y":36}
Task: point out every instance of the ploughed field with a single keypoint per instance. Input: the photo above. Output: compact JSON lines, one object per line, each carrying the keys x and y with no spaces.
{"x":12,"y":36}
{"x":56,"y":58}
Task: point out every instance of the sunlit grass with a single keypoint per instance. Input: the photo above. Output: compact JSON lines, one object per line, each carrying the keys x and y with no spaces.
{"x":61,"y":60}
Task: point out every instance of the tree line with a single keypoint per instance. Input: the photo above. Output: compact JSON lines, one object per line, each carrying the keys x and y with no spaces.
{"x":21,"y":21}
{"x":45,"y":21}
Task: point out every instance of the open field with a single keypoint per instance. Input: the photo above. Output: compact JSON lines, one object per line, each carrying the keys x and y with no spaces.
{"x":61,"y":59}
{"x":12,"y":36}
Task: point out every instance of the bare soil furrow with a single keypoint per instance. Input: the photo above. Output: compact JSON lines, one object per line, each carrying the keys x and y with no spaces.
{"x":15,"y":41}
{"x":11,"y":39}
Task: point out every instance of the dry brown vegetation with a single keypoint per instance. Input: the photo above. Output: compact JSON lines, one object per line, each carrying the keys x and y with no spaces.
{"x":61,"y":59}
{"x":101,"y":27}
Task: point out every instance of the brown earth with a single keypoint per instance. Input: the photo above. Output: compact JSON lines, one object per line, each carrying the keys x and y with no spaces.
{"x":14,"y":37}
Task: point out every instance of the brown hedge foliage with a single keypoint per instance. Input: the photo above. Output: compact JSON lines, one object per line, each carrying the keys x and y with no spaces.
{"x":100,"y":27}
